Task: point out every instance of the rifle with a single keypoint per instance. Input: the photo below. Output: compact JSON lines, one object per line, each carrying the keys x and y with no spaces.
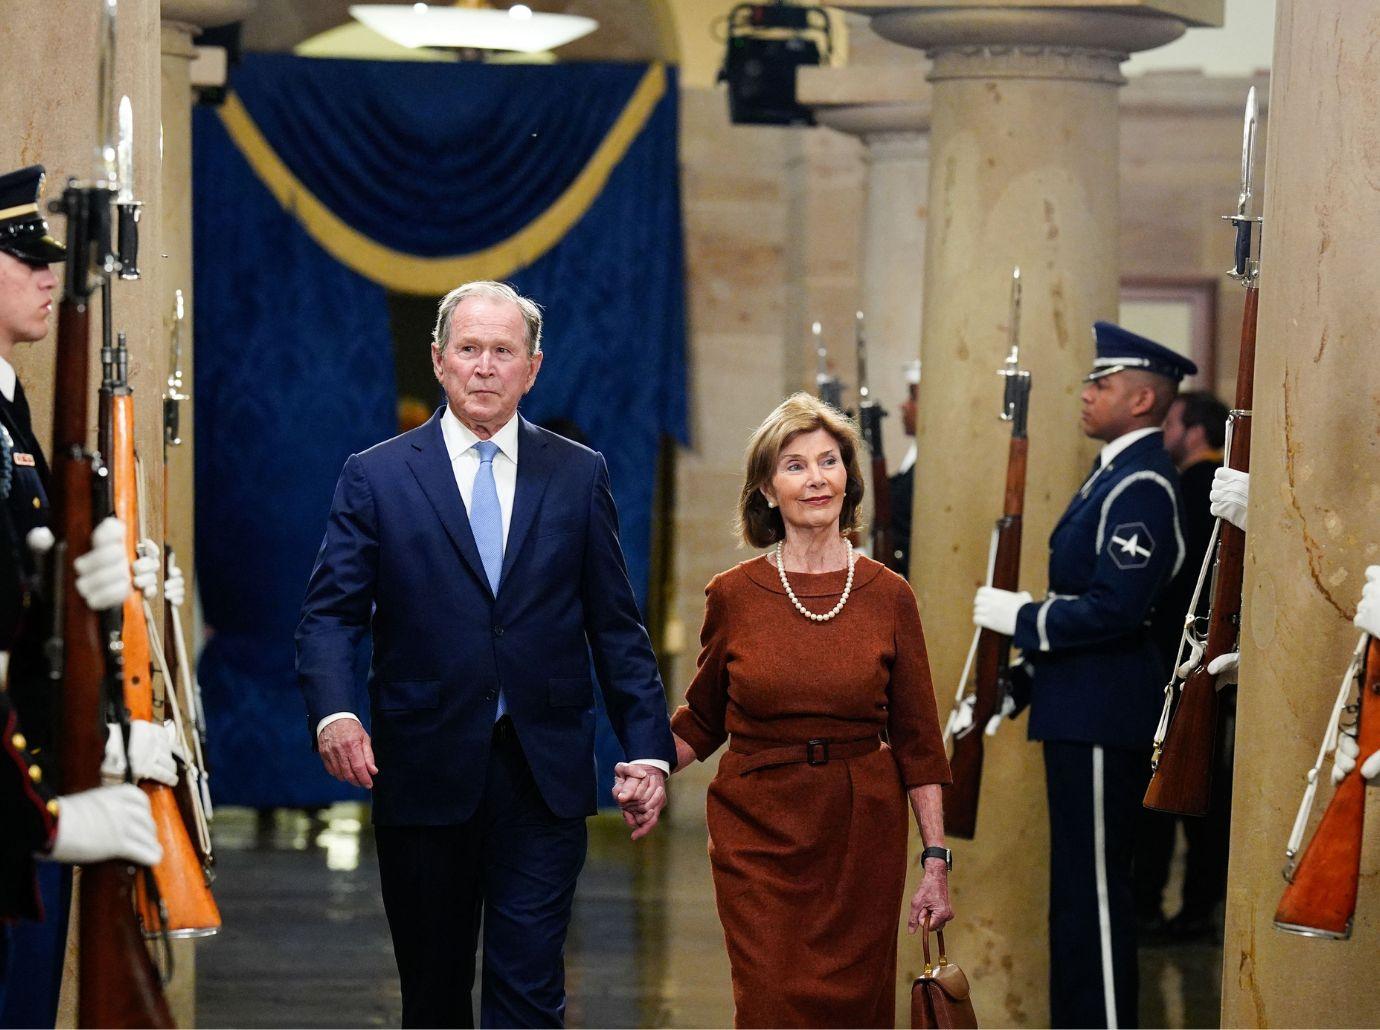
{"x":118,"y":984}
{"x":1320,"y":900}
{"x":977,"y":711}
{"x":827,"y":384}
{"x":870,"y":415}
{"x":190,"y":910}
{"x":1184,"y":747}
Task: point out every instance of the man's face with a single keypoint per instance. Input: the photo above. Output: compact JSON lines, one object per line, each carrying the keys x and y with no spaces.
{"x":485,"y":368}
{"x":908,"y":409}
{"x":1107,"y":406}
{"x":1175,"y":436}
{"x":26,"y":299}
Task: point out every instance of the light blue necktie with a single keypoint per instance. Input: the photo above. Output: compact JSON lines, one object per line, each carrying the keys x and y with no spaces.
{"x":486,"y":522}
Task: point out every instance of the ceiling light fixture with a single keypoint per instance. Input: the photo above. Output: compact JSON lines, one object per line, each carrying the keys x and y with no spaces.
{"x":518,"y":28}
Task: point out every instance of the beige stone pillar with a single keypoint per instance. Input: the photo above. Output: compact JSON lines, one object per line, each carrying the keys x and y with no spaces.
{"x":1023,"y":155}
{"x":1315,"y":505}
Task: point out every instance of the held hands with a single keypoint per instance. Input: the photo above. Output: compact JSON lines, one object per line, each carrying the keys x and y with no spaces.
{"x":640,"y":791}
{"x":931,"y":898}
{"x":1368,"y":611}
{"x":347,"y":754}
{"x":1230,"y":489}
{"x":153,"y":747}
{"x":106,"y":823}
{"x":997,"y":609}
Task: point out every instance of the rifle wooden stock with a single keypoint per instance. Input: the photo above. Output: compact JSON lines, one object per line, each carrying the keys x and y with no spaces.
{"x":182,"y":882}
{"x":119,"y":986}
{"x":1320,"y":900}
{"x":1182,"y":782}
{"x":993,"y":657}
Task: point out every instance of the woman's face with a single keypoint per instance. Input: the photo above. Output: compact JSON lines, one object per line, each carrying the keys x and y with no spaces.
{"x":809,"y":480}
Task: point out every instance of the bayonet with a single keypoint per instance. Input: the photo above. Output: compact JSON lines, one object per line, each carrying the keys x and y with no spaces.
{"x":1246,"y":267}
{"x":1013,"y":405}
{"x":827,"y":385}
{"x":173,"y":398}
{"x":127,"y":206}
{"x":860,"y":334}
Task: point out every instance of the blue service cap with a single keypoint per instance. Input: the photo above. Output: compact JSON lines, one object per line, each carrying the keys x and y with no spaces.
{"x":23,"y":229}
{"x":1120,"y":349}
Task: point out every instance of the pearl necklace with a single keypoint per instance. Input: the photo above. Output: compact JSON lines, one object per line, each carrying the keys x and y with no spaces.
{"x":815,"y":616}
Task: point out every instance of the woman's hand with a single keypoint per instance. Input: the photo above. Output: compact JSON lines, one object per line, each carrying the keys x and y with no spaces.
{"x":931,"y":898}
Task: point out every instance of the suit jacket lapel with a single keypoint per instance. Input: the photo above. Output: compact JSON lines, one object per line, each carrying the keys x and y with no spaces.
{"x":431,"y":465}
{"x":534,"y":468}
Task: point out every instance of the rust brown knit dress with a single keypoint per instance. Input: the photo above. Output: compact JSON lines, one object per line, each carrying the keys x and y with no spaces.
{"x":809,"y":861}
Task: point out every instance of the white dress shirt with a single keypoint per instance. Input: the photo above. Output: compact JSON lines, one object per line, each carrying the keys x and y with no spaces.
{"x":7,"y":380}
{"x":464,"y":461}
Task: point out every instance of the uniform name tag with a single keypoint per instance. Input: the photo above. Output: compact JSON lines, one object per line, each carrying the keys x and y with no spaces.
{"x":20,"y":458}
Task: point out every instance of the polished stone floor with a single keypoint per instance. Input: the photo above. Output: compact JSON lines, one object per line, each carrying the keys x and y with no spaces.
{"x":305,"y":942}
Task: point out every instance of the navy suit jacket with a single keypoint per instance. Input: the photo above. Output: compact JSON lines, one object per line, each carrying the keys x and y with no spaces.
{"x":399,"y":561}
{"x":1099,"y":676}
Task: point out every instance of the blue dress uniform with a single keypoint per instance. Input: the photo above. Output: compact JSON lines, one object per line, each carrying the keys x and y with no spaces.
{"x":33,"y":896}
{"x":1096,"y":690}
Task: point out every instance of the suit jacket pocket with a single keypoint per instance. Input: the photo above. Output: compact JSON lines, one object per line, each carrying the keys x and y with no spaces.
{"x":409,"y":695}
{"x":558,"y":527}
{"x":571,"y":692}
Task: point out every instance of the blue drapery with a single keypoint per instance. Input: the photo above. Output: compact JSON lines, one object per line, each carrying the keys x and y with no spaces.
{"x":294,"y":360}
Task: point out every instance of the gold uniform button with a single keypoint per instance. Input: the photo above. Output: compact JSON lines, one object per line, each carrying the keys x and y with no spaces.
{"x":18,"y":742}
{"x":38,"y":503}
{"x":35,"y":773}
{"x":53,"y":807}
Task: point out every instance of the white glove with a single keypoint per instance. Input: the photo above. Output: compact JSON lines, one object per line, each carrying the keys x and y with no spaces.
{"x":1230,"y":489}
{"x":145,"y":568}
{"x":106,"y":823}
{"x":102,"y":572}
{"x":1368,"y":611}
{"x":997,"y":609}
{"x":175,"y":586}
{"x":1224,"y":667}
{"x":1004,"y":711}
{"x":153,"y":748}
{"x":1194,"y":659}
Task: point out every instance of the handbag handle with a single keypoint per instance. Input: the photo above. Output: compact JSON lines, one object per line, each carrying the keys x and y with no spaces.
{"x":925,"y":943}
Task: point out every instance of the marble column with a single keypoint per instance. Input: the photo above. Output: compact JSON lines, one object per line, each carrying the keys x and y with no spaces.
{"x":1314,"y":506}
{"x":1024,"y":169}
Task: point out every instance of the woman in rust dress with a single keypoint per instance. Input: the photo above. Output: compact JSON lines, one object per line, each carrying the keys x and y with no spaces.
{"x":809,"y":655}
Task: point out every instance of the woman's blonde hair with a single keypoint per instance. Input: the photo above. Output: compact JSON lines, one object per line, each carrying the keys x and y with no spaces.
{"x":761,"y":526}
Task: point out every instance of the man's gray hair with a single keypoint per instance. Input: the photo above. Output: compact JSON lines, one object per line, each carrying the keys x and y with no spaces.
{"x":531,"y":312}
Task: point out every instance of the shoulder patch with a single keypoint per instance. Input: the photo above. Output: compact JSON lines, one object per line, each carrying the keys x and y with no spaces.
{"x":1131,"y":545}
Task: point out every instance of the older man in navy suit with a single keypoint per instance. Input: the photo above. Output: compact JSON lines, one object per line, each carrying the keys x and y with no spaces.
{"x":482,"y":555}
{"x":1098,"y":674}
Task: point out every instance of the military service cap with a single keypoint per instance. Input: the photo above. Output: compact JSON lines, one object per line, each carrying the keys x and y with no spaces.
{"x":1120,"y":349}
{"x":23,"y":230}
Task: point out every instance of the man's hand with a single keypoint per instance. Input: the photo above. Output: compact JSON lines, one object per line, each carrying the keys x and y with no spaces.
{"x":1368,"y":611}
{"x":153,"y":747}
{"x":145,"y":568}
{"x":640,"y":791}
{"x":347,"y":754}
{"x":102,"y":572}
{"x":931,"y":898}
{"x":997,"y":609}
{"x":1228,"y":495}
{"x":1224,"y":667}
{"x":106,"y":823}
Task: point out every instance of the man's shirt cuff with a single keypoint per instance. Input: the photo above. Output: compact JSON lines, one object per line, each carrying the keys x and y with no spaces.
{"x":334,"y":718}
{"x":655,"y":763}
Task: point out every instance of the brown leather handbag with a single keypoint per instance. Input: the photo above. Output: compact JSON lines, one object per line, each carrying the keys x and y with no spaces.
{"x":939,"y":997}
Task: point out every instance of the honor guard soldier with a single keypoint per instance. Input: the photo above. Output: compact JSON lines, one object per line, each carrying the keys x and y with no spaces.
{"x":1097,"y":675}
{"x":107,"y":822}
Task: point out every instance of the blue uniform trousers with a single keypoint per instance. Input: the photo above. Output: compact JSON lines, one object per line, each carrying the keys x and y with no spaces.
{"x":1095,"y":798}
{"x":514,"y":864}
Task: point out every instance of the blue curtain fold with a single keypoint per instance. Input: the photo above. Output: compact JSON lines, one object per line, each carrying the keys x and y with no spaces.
{"x":294,"y":359}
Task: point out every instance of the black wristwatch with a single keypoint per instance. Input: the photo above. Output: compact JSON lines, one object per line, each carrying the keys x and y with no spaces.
{"x":938,"y":852}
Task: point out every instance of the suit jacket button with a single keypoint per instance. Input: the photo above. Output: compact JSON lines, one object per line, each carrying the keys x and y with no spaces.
{"x":491,"y":696}
{"x":498,"y":631}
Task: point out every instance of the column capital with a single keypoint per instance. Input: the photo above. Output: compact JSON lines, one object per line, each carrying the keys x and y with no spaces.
{"x":867,"y":101}
{"x":1073,"y":39}
{"x":893,"y":127}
